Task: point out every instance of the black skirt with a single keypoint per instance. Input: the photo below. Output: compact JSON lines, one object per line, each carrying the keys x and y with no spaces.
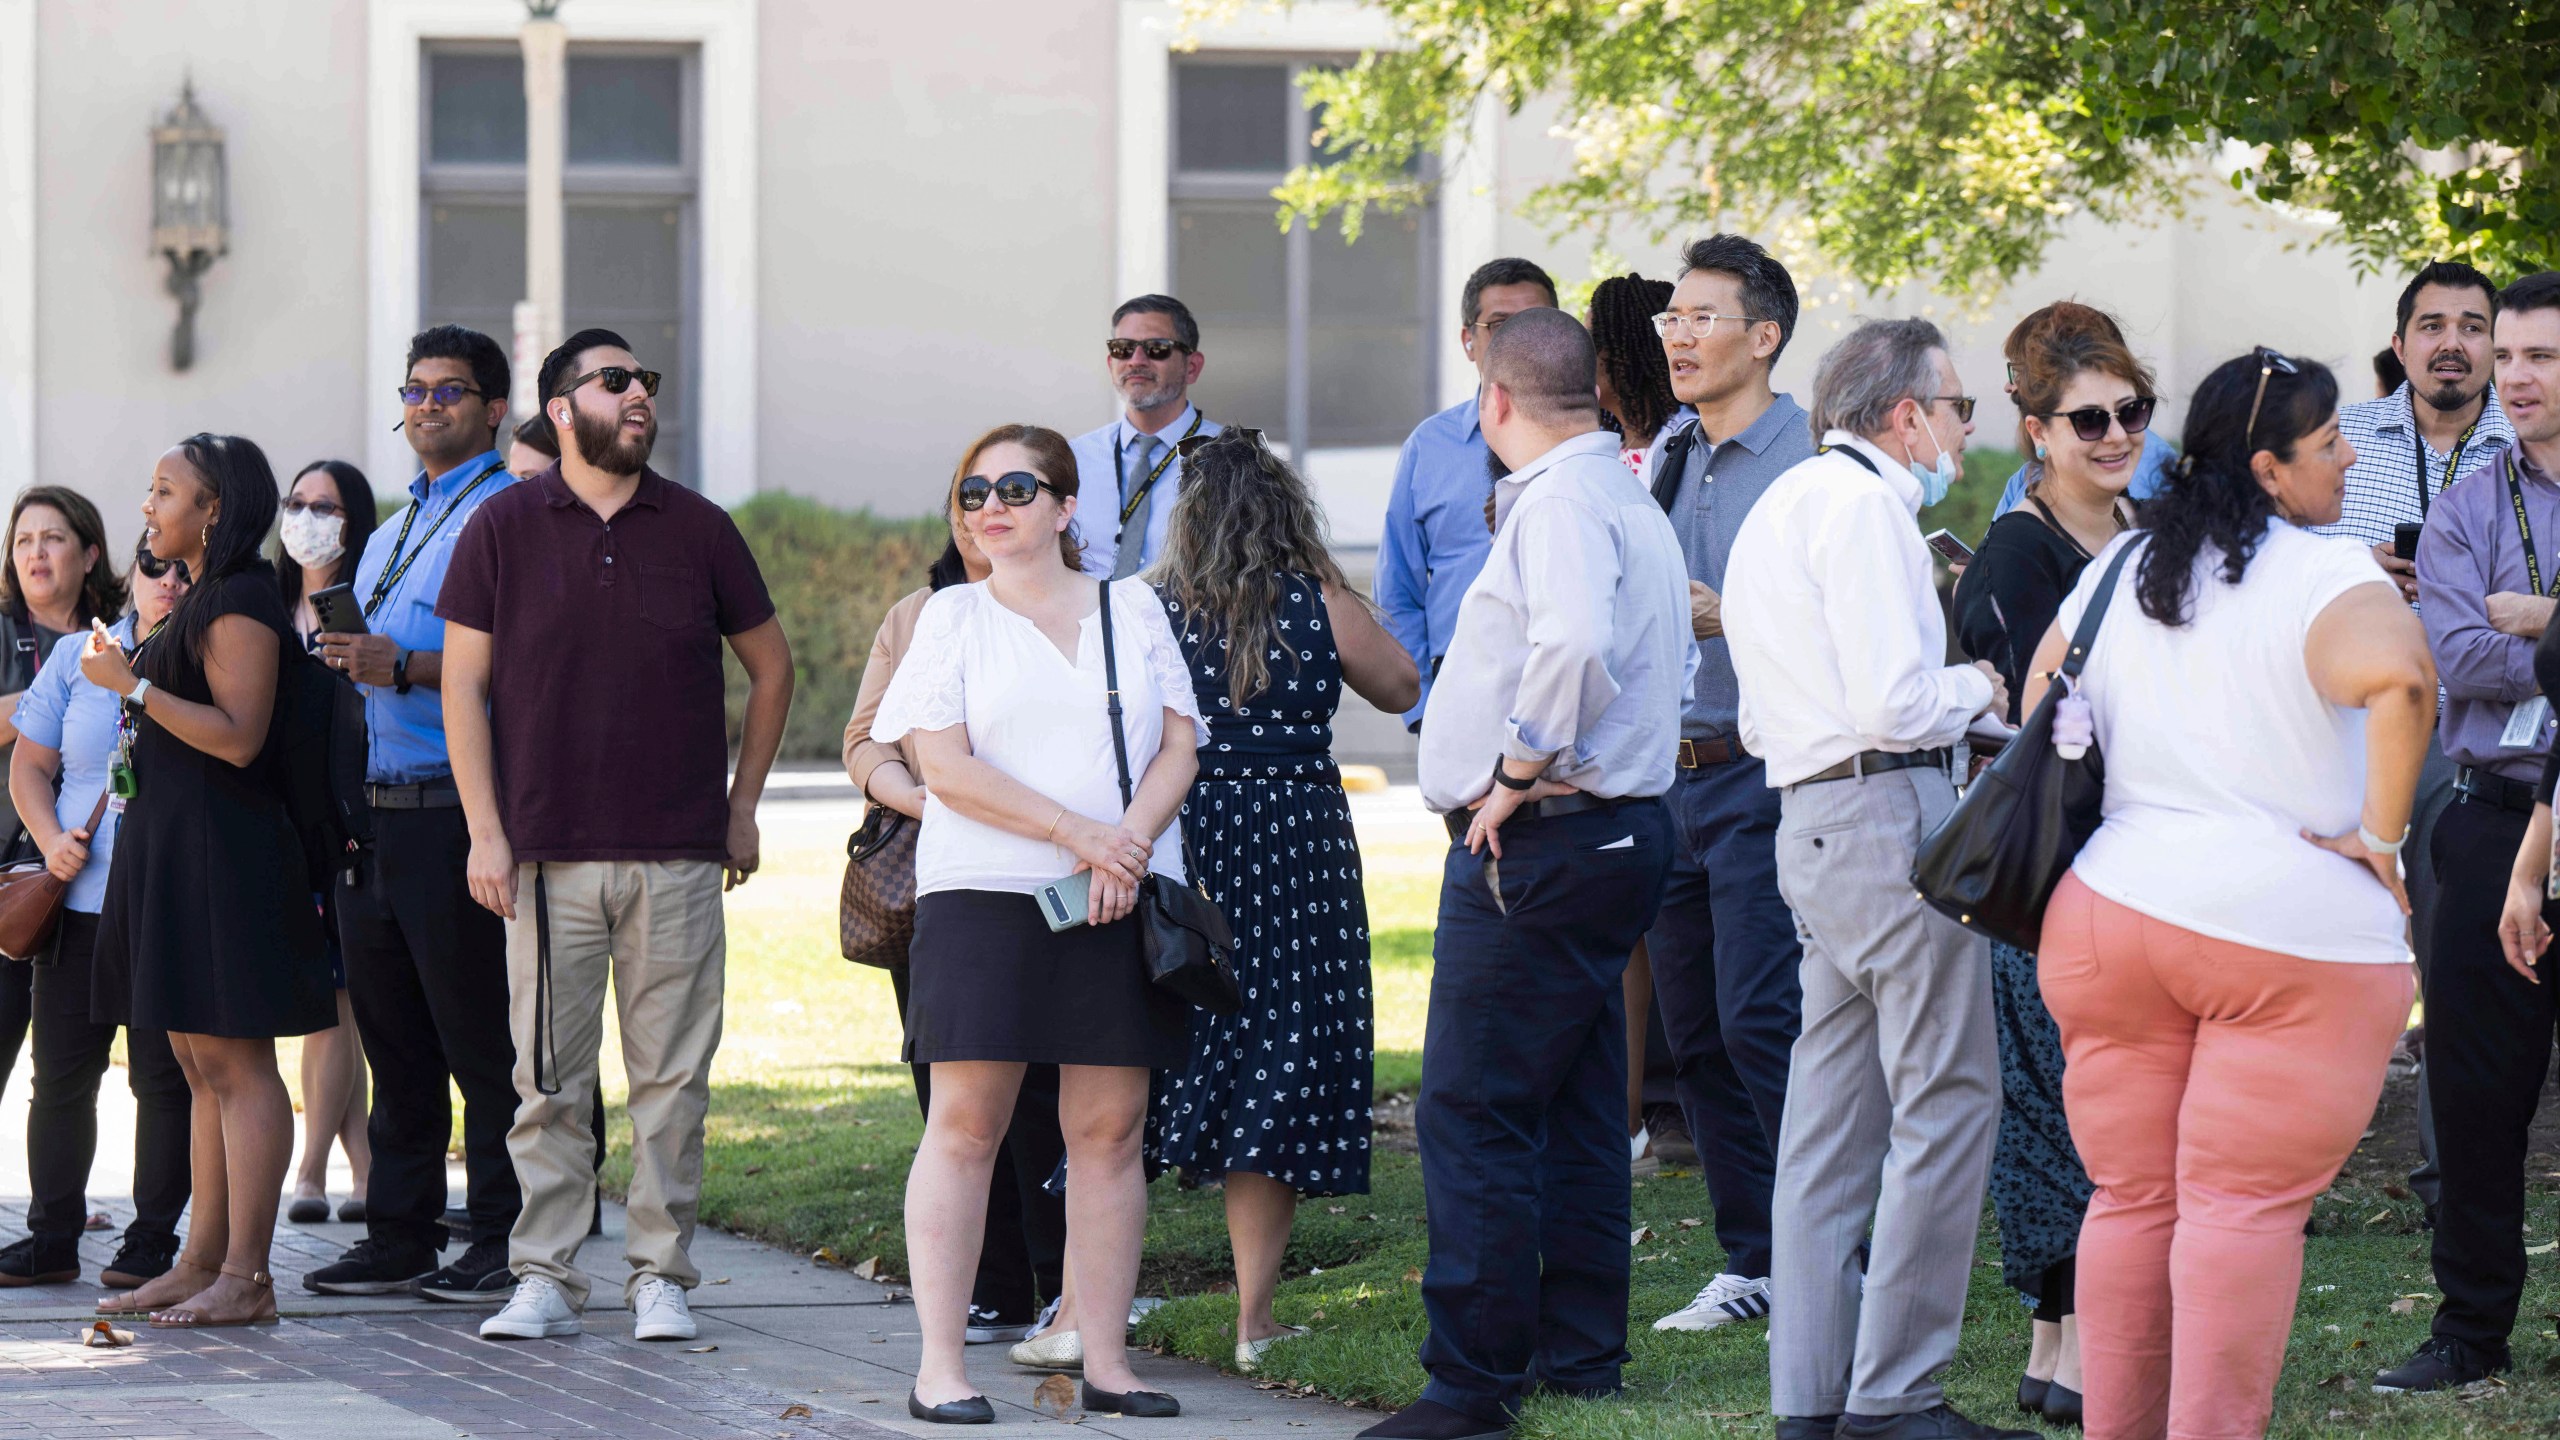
{"x":989,"y":980}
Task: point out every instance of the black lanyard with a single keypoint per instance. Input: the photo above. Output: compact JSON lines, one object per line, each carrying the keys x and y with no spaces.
{"x":399,"y":564}
{"x":1172,"y":452}
{"x":2524,"y":530}
{"x":2452,"y":464}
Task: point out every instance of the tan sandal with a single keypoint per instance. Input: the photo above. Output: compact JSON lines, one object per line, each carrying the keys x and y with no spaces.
{"x":182,"y":1317}
{"x":123,"y":1304}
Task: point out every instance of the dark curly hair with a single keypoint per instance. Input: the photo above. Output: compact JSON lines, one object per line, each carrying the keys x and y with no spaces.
{"x":2212,"y":496}
{"x":1622,"y":311}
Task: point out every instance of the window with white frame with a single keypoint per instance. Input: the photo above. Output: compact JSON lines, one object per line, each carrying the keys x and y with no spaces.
{"x":1324,"y":345}
{"x":629,"y":193}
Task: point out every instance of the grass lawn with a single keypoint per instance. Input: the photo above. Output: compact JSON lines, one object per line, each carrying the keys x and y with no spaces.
{"x":813,"y":1119}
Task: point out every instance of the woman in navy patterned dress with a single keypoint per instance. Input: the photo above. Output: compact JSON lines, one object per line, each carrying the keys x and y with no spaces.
{"x":1274,"y":1098}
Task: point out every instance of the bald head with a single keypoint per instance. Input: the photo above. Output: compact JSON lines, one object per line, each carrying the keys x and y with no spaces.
{"x":1544,"y":360}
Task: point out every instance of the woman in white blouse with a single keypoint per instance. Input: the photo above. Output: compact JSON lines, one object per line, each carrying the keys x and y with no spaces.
{"x":1003,"y":693}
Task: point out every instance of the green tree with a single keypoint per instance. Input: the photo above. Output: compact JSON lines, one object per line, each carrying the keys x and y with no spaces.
{"x":1950,"y":141}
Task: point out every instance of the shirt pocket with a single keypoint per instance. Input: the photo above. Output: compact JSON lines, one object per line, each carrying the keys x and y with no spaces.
{"x":671,"y":597}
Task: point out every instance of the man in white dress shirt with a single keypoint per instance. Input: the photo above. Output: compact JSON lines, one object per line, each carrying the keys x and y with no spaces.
{"x":1547,"y":745}
{"x":1893,"y":1089}
{"x":1129,"y":469}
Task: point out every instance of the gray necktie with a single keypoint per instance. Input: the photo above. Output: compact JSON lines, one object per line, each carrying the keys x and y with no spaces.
{"x":1133,"y":532}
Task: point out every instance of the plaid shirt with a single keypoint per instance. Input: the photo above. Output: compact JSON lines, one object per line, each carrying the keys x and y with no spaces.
{"x":2382,"y":486}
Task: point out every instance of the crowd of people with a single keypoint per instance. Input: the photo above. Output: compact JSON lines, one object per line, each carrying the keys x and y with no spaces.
{"x":1690,"y":691}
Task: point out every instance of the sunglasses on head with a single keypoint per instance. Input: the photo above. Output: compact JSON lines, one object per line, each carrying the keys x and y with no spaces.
{"x":616,"y":378}
{"x":1155,"y":349}
{"x":1014,"y":489}
{"x":2089,"y":422}
{"x":449,"y":392}
{"x":2269,"y":363}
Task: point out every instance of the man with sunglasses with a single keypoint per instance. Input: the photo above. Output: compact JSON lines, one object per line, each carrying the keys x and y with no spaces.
{"x":426,"y":968}
{"x":584,"y":619}
{"x":1154,"y":357}
{"x":1437,"y":532}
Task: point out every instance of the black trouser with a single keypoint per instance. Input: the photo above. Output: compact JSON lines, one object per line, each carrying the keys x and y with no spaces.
{"x":17,"y":1009}
{"x":62,"y":1124}
{"x":1022,"y":1256}
{"x":427,"y":976}
{"x":2489,"y":1035}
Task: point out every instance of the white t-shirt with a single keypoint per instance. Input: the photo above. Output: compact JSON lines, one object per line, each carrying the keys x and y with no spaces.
{"x":1038,"y":717}
{"x":2219,"y":753}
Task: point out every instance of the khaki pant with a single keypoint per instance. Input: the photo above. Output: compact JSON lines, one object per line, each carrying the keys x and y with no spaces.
{"x":659,"y":927}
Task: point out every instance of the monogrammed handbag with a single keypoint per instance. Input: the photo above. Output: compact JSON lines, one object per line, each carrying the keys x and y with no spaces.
{"x":876,"y":916}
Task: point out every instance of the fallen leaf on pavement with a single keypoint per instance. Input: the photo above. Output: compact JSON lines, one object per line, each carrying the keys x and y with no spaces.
{"x":700,"y":1349}
{"x":868,"y":1269}
{"x":795,"y":1412}
{"x":723,"y":1280}
{"x":2545,"y":1248}
{"x":1413,"y":1276}
{"x":1692,"y":1224}
{"x":1641,"y":1235}
{"x":826,"y":1255}
{"x":2403,"y":1307}
{"x":103,"y":1336}
{"x":1054,"y":1397}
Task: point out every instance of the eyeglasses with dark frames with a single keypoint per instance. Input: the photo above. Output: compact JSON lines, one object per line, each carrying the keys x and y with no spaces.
{"x":449,"y":392}
{"x":1963,"y":403}
{"x":1013,"y":489}
{"x":2090,"y":422}
{"x":616,"y":378}
{"x":2269,"y":362}
{"x":1153,"y":349}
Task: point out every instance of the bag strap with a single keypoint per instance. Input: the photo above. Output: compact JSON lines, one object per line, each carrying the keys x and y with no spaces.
{"x":1673,"y":459}
{"x":98,"y":812}
{"x":1111,"y":682}
{"x":2095,"y":615}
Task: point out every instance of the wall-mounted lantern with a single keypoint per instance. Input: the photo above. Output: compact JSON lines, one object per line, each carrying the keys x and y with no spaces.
{"x":190,"y":210}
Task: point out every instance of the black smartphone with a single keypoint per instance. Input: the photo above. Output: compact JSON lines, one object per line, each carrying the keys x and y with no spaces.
{"x":338,"y":611}
{"x":2404,"y":539}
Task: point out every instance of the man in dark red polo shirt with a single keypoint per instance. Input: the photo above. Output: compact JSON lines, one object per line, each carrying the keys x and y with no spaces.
{"x":584,"y":612}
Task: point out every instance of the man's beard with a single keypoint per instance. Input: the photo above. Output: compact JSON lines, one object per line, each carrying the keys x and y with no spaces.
{"x":1152,"y":399}
{"x":601,"y":441}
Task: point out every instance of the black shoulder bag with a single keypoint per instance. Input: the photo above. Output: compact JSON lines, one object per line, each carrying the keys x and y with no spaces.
{"x":1186,"y":941}
{"x":1992,"y":864}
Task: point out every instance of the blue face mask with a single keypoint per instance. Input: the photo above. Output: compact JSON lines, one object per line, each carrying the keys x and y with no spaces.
{"x":1936,"y":481}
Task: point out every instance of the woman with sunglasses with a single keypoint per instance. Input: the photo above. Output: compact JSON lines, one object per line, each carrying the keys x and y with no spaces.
{"x":1003,"y":692}
{"x":2227,"y":957}
{"x":2084,"y":412}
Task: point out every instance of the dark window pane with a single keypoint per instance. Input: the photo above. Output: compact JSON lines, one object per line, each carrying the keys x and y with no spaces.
{"x":475,"y":108}
{"x":1230,"y":265}
{"x":474,"y":265}
{"x":1366,"y":365}
{"x":1233,"y":117}
{"x":626,"y":110}
{"x":626,"y":273}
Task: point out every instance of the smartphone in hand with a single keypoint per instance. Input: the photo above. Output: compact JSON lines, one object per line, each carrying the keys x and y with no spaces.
{"x":1067,"y":903}
{"x":338,"y":611}
{"x":1949,"y":548}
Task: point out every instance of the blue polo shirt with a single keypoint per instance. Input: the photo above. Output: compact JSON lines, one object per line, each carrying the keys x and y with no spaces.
{"x":1436,"y":539}
{"x":66,"y":714}
{"x":406,"y":732}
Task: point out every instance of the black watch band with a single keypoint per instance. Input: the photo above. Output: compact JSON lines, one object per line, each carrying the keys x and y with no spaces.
{"x":400,"y":673}
{"x":1503,"y":778}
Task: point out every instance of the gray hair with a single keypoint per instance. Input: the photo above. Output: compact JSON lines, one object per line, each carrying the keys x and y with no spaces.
{"x":1881,"y":364}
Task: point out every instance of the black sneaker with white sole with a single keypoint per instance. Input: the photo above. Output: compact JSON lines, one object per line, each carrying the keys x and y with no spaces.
{"x":481,"y":1275}
{"x":2443,"y":1363}
{"x":371,"y":1267}
{"x":994,"y":1327}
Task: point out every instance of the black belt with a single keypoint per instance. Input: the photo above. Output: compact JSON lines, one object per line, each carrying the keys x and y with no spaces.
{"x":1553,"y":807}
{"x":2497,"y":790}
{"x":437,"y":794}
{"x":1697,"y":754}
{"x":1877,"y":762}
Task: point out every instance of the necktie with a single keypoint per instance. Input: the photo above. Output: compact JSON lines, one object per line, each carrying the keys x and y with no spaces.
{"x":1133,"y":532}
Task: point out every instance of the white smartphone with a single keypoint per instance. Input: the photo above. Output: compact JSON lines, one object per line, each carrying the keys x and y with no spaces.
{"x":1068,"y":902}
{"x":1955,"y":551}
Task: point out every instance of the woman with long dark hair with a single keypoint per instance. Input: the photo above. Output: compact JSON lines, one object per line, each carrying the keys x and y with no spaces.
{"x":328,"y":515}
{"x":208,"y":905}
{"x":2227,"y":958}
{"x":1635,"y":375}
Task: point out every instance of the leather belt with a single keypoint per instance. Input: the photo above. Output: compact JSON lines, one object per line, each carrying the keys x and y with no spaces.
{"x":1877,"y":762}
{"x":1550,"y":808}
{"x":437,"y":794}
{"x":2515,"y":796}
{"x":1697,"y":754}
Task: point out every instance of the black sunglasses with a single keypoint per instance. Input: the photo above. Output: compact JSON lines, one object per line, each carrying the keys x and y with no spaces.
{"x":616,"y":378}
{"x":449,"y":392}
{"x":2269,"y":362}
{"x":1155,"y":349}
{"x":1015,"y":488}
{"x":1191,"y":445}
{"x":153,"y":567}
{"x":2090,"y":421}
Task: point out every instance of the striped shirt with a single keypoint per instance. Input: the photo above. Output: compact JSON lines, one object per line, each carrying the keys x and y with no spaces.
{"x":2382,"y":486}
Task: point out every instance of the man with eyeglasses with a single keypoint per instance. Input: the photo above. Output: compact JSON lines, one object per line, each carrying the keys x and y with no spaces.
{"x":426,"y":968}
{"x":584,"y":619}
{"x":1154,"y":356}
{"x":1893,"y":1088}
{"x":1724,"y":947}
{"x":1439,"y":526}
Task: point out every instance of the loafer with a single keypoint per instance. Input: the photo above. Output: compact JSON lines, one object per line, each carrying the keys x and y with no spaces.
{"x":2061,"y":1405}
{"x":351,"y":1211}
{"x":968,"y":1410}
{"x":2031,"y":1393}
{"x":1136,"y":1404}
{"x":1808,"y":1427}
{"x":1939,"y":1422}
{"x":307,"y":1210}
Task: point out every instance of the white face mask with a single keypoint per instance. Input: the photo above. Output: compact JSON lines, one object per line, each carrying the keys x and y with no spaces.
{"x":311,"y":538}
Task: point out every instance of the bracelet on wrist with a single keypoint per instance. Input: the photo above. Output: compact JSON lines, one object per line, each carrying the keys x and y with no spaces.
{"x":1052,"y":832}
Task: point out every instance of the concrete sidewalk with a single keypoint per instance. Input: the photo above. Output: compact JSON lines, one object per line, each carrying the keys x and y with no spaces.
{"x":778,"y":1333}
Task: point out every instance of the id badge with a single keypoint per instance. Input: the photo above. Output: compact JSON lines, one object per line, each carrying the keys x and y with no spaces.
{"x":2525,"y":724}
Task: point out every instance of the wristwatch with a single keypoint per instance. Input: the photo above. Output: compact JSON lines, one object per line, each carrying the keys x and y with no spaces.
{"x":1503,"y":778}
{"x":141,"y":693}
{"x":400,"y":673}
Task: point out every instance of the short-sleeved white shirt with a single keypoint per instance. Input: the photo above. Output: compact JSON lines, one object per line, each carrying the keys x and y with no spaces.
{"x":1039,"y":718}
{"x":2219,"y":753}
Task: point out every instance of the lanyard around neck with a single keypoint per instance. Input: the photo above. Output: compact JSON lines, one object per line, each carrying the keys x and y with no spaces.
{"x":399,"y":564}
{"x":2524,"y":530}
{"x":2453,"y":462}
{"x":1172,"y":452}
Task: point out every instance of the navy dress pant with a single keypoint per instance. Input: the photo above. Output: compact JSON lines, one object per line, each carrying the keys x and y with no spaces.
{"x":1522,"y":1113}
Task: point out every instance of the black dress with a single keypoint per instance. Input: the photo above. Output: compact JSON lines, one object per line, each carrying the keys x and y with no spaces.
{"x":208,"y":901}
{"x":1281,"y":1087}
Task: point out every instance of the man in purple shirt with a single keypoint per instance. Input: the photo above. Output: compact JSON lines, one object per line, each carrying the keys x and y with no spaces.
{"x":2488,"y":564}
{"x":584,"y":614}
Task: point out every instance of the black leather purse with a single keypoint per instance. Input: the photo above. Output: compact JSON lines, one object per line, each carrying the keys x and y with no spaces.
{"x":1186,"y":940}
{"x":1993,"y":863}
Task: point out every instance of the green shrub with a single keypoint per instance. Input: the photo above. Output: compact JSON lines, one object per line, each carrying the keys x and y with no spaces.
{"x":833,"y":574}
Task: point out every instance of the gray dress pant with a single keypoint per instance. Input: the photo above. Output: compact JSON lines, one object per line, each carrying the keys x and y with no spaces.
{"x":1893,"y":1101}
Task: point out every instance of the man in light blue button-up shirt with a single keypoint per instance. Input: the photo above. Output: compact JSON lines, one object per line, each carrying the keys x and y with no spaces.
{"x":1128,"y":472}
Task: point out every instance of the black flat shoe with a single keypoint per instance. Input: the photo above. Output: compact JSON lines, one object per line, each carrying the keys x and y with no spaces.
{"x":2061,"y":1405}
{"x":1136,"y":1404}
{"x":2031,"y":1393}
{"x":308,"y":1210}
{"x":971,"y":1410}
{"x":350,"y":1212}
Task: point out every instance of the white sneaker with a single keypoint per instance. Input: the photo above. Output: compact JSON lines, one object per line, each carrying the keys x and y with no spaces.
{"x":659,"y":1311}
{"x":1050,"y":1348}
{"x":1726,"y":1300}
{"x":536,"y":1311}
{"x":1249,"y":1353}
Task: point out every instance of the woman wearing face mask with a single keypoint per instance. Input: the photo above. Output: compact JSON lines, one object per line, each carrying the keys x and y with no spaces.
{"x":328,"y":515}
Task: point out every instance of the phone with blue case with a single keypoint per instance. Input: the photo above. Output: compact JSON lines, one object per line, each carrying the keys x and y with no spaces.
{"x":1068,"y":902}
